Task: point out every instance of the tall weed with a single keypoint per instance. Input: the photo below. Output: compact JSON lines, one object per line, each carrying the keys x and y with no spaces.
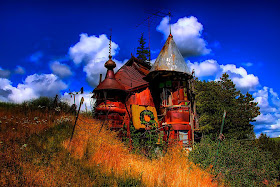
{"x":240,"y":163}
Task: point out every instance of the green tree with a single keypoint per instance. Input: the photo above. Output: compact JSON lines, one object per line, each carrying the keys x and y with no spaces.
{"x":142,"y":51}
{"x":214,"y":97}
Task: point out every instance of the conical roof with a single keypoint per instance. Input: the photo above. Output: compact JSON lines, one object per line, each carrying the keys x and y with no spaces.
{"x":170,"y":59}
{"x":110,"y":83}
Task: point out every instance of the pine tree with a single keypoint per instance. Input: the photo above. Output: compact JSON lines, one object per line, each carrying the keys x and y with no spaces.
{"x":142,"y":51}
{"x":214,"y":97}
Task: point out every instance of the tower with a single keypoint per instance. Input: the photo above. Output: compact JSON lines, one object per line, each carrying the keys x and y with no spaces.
{"x":110,"y":97}
{"x":171,"y":84}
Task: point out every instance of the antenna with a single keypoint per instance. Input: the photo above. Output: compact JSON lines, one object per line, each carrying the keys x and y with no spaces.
{"x":169,"y":14}
{"x":149,"y":27}
{"x":153,"y":14}
{"x":110,"y":45}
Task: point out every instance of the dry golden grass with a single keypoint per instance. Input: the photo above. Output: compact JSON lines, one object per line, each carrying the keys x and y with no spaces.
{"x":106,"y":151}
{"x":30,"y":156}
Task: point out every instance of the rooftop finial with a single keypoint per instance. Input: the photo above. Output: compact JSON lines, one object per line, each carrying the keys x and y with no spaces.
{"x":169,"y":21}
{"x":110,"y":47}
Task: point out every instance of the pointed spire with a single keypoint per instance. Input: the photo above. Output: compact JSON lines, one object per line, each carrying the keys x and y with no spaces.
{"x":170,"y":59}
{"x":110,"y":82}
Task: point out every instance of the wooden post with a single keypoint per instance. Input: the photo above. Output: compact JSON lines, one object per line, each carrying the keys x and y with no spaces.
{"x":82,"y":100}
{"x":192,"y":127}
{"x":100,"y":78}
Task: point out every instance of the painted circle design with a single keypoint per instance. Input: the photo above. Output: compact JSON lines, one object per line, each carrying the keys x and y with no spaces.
{"x":143,"y":119}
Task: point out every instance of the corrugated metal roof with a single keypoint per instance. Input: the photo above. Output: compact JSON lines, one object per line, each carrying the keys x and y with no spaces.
{"x":170,"y":59}
{"x":132,"y":73}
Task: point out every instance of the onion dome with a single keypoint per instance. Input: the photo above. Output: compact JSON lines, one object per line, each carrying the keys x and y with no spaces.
{"x":109,"y":83}
{"x":110,"y":64}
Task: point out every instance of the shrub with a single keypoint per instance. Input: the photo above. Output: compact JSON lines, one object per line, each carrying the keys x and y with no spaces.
{"x":145,"y":142}
{"x":47,"y":103}
{"x":269,"y":144}
{"x":240,"y":163}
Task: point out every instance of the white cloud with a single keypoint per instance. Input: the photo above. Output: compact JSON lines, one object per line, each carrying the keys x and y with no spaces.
{"x":91,"y":49}
{"x":187,"y":35}
{"x":88,"y":101}
{"x":268,"y":122}
{"x":262,"y":97}
{"x":33,"y":87}
{"x":45,"y":84}
{"x":4,"y":73}
{"x":19,"y":70}
{"x":5,"y":89}
{"x":275,"y":98}
{"x":205,"y":68}
{"x":265,"y":118}
{"x":93,"y":52}
{"x":93,"y":71}
{"x":152,"y":61}
{"x":243,"y":81}
{"x":276,"y":126}
{"x":61,"y":70}
{"x":240,"y":77}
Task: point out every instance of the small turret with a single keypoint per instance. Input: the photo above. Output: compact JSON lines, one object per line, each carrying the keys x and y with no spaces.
{"x":110,"y":97}
{"x":170,"y":82}
{"x":109,"y":83}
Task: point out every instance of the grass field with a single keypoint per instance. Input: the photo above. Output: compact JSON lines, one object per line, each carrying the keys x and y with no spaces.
{"x":276,"y":139}
{"x":35,"y":151}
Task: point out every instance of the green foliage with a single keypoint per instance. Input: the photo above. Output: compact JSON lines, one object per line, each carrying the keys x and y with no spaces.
{"x":42,"y":104}
{"x":269,"y":144}
{"x":145,"y":142}
{"x":47,"y":102}
{"x":46,"y":145}
{"x":277,"y":139}
{"x":8,"y":106}
{"x":142,"y":51}
{"x":239,"y":163}
{"x":214,"y":97}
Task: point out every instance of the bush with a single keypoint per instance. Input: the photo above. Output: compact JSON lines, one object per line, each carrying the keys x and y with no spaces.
{"x":41,"y":104}
{"x":145,"y":142}
{"x":240,"y":163}
{"x":271,"y":145}
{"x":47,"y":103}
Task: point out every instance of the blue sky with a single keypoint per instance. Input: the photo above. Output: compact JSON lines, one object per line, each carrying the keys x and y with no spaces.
{"x":49,"y":47}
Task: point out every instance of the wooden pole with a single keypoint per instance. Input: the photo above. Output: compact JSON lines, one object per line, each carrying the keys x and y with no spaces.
{"x":82,"y":101}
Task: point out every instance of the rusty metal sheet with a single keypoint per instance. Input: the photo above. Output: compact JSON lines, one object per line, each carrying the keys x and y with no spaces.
{"x":170,"y":59}
{"x":131,"y":75}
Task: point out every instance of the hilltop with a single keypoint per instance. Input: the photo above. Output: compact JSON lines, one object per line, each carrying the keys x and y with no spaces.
{"x":35,"y":150}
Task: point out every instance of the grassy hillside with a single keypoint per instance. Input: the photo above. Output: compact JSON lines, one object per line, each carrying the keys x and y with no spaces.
{"x":277,"y":139}
{"x":35,"y":151}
